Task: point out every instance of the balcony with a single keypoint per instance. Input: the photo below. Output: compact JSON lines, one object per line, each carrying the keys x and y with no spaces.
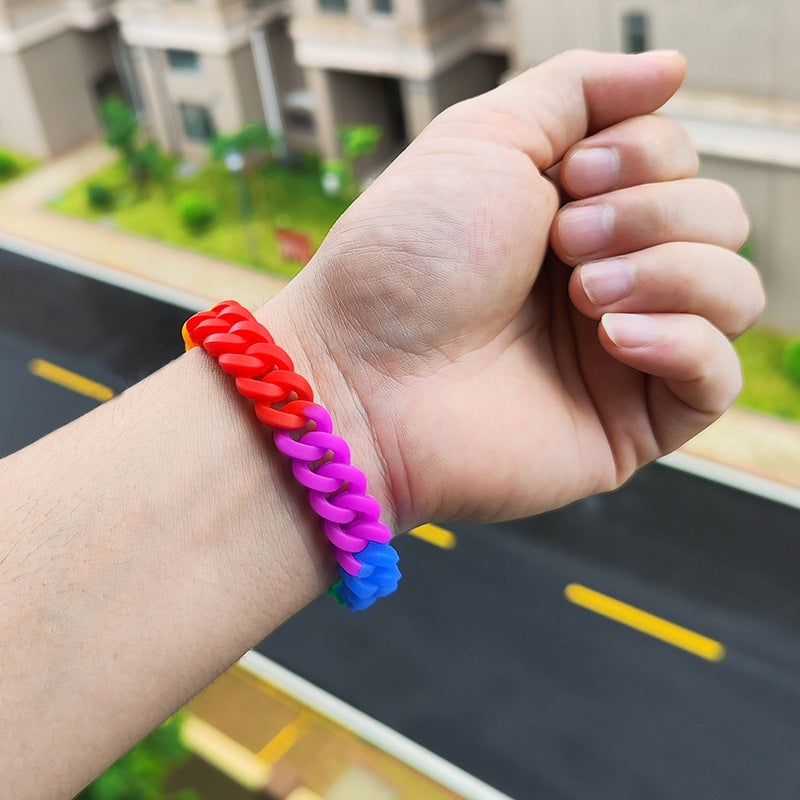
{"x":385,"y":44}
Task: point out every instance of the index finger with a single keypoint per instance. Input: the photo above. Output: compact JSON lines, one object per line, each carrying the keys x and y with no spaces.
{"x":649,"y":149}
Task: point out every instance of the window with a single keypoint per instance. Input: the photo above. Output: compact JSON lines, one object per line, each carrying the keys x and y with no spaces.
{"x":382,"y":6}
{"x":339,"y":6}
{"x":635,"y":32}
{"x":197,"y":123}
{"x":183,"y":60}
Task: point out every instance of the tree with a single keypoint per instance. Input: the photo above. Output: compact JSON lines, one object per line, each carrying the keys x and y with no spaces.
{"x":145,"y":162}
{"x":252,"y":139}
{"x":359,"y":140}
{"x":339,"y":175}
{"x":240,"y":150}
{"x":121,"y":126}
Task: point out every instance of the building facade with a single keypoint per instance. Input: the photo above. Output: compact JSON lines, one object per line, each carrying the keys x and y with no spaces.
{"x":306,"y":67}
{"x":56,"y":64}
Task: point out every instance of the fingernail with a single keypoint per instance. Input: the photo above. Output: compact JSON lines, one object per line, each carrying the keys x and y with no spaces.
{"x":607,"y":282}
{"x":586,"y":229}
{"x":630,"y":330}
{"x":593,"y":170}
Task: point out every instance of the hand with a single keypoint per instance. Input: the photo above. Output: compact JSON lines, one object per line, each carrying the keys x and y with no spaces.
{"x":474,"y":374}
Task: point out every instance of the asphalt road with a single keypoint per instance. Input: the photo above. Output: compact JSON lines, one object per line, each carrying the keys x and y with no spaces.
{"x":480,"y":656}
{"x":101,"y":332}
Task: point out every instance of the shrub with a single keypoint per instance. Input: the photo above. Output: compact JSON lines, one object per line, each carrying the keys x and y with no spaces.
{"x":196,"y":212}
{"x":100,"y":197}
{"x":8,"y":165}
{"x":791,"y":359}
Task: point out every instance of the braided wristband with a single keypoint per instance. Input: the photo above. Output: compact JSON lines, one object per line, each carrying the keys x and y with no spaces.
{"x":337,"y":490}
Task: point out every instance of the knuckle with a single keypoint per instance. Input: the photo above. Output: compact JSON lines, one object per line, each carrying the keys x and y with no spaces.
{"x":661,"y":218}
{"x":678,"y":153}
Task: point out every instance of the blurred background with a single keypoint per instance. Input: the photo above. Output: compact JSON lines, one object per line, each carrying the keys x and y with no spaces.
{"x":164,"y":154}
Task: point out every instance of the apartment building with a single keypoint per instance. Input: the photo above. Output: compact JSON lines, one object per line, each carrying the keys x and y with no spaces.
{"x":306,"y":67}
{"x":394,"y":62}
{"x":57,"y":60}
{"x":203,"y":66}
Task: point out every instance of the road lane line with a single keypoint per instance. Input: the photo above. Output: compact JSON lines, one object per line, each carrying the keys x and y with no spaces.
{"x":433,"y":534}
{"x":644,"y":622}
{"x":280,"y":744}
{"x":69,"y":380}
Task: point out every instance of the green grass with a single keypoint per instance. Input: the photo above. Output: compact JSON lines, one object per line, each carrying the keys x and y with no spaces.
{"x":284,"y":196}
{"x":23,"y":163}
{"x":767,"y":385}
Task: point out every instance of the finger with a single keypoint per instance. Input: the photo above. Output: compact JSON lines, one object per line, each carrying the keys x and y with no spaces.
{"x":699,"y":279}
{"x":549,"y":108}
{"x":647,"y":149}
{"x":698,"y":367}
{"x":643,"y":216}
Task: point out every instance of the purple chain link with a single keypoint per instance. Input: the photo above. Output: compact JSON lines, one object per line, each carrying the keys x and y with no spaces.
{"x":337,"y":493}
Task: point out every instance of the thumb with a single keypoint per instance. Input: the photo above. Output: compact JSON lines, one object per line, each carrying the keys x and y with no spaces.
{"x":547,"y":109}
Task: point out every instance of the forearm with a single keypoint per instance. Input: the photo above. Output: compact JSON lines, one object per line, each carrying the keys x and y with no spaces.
{"x":143,"y":548}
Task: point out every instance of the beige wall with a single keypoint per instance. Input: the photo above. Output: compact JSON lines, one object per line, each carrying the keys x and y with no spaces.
{"x":416,"y":41}
{"x":160,"y":114}
{"x":20,"y":125}
{"x":245,"y":85}
{"x":18,"y":12}
{"x":47,"y":91}
{"x":476,"y":74}
{"x":62,"y":74}
{"x":732,"y":45}
{"x":433,"y":11}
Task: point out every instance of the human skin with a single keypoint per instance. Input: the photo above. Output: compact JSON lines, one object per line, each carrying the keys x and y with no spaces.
{"x":460,"y":324}
{"x":483,"y":382}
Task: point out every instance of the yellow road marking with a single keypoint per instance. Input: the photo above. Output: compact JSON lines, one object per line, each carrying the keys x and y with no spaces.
{"x":69,"y":380}
{"x":642,"y":621}
{"x":275,"y":749}
{"x":435,"y":535}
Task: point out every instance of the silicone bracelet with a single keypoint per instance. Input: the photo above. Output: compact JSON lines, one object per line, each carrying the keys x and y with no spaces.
{"x":337,"y":490}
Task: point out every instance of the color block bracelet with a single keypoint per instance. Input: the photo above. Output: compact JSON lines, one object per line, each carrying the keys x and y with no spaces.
{"x":337,"y":490}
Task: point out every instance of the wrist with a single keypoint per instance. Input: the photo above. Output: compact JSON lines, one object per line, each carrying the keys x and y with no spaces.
{"x":248,"y":513}
{"x":306,"y":333}
{"x":321,"y":460}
